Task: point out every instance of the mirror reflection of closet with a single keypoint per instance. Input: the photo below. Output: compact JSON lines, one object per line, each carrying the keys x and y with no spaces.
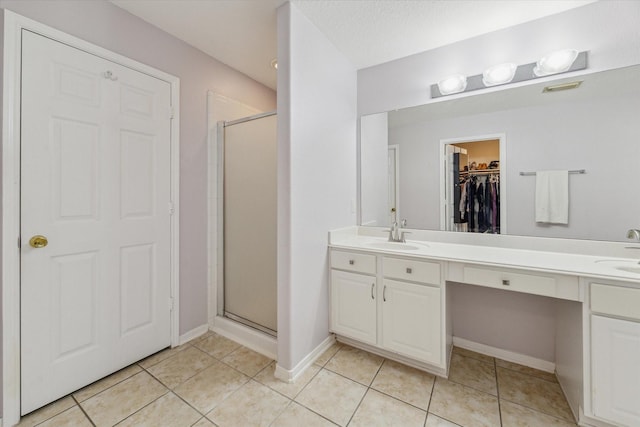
{"x":473,"y":186}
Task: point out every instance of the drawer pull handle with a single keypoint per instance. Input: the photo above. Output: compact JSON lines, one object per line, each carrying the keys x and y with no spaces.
{"x":373,"y":285}
{"x":409,"y":270}
{"x":384,"y":293}
{"x":505,"y":282}
{"x":351,"y":262}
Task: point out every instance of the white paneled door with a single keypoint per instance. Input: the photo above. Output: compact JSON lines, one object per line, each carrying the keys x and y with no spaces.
{"x":95,"y":185}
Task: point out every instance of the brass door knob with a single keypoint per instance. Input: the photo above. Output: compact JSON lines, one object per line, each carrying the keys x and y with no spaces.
{"x":38,"y":241}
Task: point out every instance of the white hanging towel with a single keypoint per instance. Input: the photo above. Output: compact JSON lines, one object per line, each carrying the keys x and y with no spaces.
{"x":552,"y":196}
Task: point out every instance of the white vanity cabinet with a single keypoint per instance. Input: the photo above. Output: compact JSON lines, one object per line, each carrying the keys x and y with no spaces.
{"x":353,"y":296}
{"x":392,"y":304}
{"x":615,"y":353}
{"x":411,"y":311}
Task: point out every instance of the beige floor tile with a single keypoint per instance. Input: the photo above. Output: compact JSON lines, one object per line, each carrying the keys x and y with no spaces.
{"x":472,"y":354}
{"x":534,"y":393}
{"x":247,"y":361}
{"x":46,"y":412}
{"x":514,"y":415}
{"x":203,"y":422}
{"x":290,"y":390}
{"x":527,"y":370}
{"x":201,"y":337}
{"x":405,"y":383}
{"x":434,"y":421}
{"x":181,"y":366}
{"x":118,"y":402}
{"x":355,"y":364}
{"x":103,"y":384}
{"x":328,"y":354}
{"x":252,"y":405}
{"x":463,"y":405}
{"x":167,"y":411}
{"x":297,"y":415}
{"x":208,"y":388}
{"x":216,"y":345}
{"x":473,"y":373}
{"x":378,"y":409}
{"x":72,"y":417}
{"x":332,"y":396}
{"x":162,"y":355}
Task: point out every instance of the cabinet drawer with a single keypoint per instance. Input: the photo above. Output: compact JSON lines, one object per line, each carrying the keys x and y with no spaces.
{"x":615,"y":300}
{"x":408,"y":269}
{"x":565,"y":287}
{"x":361,"y":263}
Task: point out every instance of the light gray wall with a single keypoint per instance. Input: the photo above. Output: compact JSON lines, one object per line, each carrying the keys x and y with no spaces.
{"x":609,"y":30}
{"x":108,"y":26}
{"x":317,"y":177}
{"x":599,"y":136}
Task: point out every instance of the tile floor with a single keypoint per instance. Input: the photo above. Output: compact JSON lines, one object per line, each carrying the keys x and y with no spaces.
{"x":213,"y":381}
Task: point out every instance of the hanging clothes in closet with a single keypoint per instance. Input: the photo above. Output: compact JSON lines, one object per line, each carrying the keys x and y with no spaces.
{"x":478,"y":202}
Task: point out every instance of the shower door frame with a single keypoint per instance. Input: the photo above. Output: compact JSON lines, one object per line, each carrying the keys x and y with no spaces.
{"x":220,"y":306}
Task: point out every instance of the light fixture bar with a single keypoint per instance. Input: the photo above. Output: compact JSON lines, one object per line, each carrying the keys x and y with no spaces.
{"x":523,"y":73}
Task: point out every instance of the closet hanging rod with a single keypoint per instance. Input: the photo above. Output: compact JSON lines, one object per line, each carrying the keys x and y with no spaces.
{"x":481,"y":171}
{"x":577,"y":171}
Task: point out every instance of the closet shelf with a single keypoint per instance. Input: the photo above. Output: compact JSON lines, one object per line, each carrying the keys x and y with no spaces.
{"x":479,"y":171}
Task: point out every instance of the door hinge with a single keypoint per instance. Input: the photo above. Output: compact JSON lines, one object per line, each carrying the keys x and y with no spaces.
{"x":171,"y":304}
{"x":172,"y":208}
{"x":172,"y":112}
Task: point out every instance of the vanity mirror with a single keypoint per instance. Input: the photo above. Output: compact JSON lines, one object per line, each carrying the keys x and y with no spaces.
{"x":594,"y":127}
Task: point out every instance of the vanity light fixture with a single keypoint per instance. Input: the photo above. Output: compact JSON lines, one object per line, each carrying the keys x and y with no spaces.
{"x":499,"y":74}
{"x":452,"y":84}
{"x":555,"y":62}
{"x":561,"y":61}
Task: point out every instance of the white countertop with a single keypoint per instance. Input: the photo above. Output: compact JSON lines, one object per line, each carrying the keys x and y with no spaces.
{"x":600,"y":267}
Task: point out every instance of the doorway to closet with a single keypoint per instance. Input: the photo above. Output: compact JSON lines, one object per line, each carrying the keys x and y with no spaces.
{"x":473,"y":185}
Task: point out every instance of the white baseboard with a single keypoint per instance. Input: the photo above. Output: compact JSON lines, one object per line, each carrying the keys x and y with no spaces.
{"x":192,"y":334}
{"x":248,"y":337}
{"x":290,"y":375}
{"x":509,"y":356}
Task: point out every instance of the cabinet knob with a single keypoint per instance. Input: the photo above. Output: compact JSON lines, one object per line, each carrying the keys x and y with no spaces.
{"x":351,"y":262}
{"x":409,"y":270}
{"x":505,"y":282}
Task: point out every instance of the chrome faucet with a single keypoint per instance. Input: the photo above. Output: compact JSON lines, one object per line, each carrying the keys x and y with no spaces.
{"x":395,"y":234}
{"x":633,"y":234}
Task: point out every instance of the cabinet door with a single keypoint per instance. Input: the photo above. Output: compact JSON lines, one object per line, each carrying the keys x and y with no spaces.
{"x":353,"y":306}
{"x":411,"y":320}
{"x":615,"y":370}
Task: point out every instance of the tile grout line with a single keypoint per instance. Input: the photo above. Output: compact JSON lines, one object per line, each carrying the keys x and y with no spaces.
{"x":83,"y":411}
{"x":495,"y":366}
{"x":135,"y":412}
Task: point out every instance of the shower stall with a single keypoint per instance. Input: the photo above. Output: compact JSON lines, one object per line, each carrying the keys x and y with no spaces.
{"x":248,"y":220}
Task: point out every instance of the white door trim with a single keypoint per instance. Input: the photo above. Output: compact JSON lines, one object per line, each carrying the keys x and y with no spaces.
{"x":13,"y":26}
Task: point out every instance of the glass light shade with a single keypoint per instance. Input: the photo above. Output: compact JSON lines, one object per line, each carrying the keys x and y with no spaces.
{"x":499,"y":74}
{"x":452,"y":84}
{"x":555,"y":62}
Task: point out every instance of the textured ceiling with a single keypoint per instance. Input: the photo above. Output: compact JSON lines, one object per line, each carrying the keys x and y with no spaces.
{"x":242,"y":33}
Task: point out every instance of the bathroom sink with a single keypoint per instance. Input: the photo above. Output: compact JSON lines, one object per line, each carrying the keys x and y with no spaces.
{"x":628,"y":265}
{"x":394,"y":246}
